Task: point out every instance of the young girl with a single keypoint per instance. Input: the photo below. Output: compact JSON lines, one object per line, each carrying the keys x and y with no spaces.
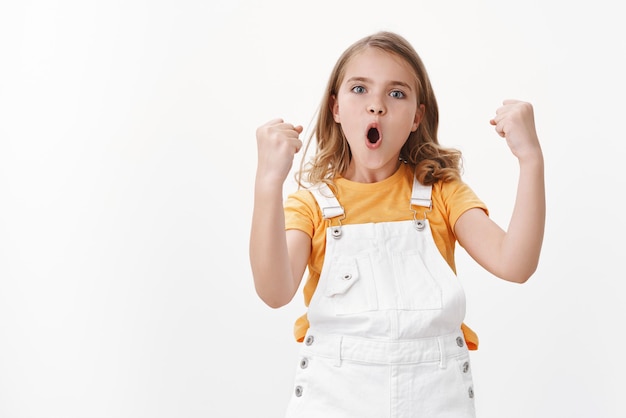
{"x":384,"y":333}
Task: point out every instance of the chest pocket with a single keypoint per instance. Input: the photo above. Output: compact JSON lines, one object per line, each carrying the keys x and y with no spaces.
{"x":417,"y":289}
{"x":350,"y":286}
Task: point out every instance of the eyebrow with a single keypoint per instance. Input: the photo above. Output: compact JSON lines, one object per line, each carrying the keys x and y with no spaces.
{"x":367,"y":80}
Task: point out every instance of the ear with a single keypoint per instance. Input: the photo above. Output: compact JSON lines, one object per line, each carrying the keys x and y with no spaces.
{"x":334,"y":108}
{"x":419,"y":114}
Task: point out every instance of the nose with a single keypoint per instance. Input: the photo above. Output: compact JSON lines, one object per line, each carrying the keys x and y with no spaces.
{"x":376,"y":108}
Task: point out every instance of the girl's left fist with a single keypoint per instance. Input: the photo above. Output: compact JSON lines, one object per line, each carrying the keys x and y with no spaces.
{"x":515,"y":122}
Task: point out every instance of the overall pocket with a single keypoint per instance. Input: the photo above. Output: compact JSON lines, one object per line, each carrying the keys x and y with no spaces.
{"x":350,"y":286}
{"x":417,"y":288}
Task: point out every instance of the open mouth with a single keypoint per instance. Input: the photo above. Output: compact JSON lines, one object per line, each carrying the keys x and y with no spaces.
{"x":373,"y":134}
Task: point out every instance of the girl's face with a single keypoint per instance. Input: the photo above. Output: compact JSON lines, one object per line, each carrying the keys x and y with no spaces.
{"x":376,"y":105}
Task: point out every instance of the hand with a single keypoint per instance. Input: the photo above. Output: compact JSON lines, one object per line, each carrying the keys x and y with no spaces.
{"x":515,"y":122}
{"x":277,"y":144}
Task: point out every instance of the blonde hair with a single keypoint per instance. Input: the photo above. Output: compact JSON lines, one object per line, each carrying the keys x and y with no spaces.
{"x":432,"y":162}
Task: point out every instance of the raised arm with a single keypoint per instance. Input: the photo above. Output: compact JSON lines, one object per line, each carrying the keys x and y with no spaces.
{"x":278,"y":258}
{"x":513,"y":254}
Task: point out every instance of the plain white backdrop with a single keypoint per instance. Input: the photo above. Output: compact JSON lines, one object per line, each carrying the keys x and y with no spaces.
{"x":127,"y":162}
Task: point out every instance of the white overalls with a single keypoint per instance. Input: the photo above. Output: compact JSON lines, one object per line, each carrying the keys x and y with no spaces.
{"x":385,"y":336}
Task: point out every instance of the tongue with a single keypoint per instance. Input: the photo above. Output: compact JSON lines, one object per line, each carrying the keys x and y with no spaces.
{"x":373,"y":135}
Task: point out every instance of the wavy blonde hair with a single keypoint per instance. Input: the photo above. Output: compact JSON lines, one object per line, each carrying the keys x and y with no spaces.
{"x":431,"y":161}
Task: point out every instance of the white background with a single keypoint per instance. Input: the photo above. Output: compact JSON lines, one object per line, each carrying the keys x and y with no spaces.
{"x":127,"y":161}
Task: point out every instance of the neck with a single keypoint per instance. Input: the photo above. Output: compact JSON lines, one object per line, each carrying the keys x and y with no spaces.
{"x":368,"y":175}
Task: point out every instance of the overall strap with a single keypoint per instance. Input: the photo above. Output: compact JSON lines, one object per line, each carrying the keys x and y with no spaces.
{"x":327,"y":201}
{"x":421,"y":195}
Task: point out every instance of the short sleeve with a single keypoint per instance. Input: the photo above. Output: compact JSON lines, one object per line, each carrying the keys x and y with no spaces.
{"x":301,"y":212}
{"x":458,"y":198}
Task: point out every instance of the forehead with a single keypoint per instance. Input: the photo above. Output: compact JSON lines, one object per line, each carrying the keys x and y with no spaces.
{"x":379,"y":65}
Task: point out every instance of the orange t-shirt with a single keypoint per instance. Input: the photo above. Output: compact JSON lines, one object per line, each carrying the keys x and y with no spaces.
{"x":384,"y":201}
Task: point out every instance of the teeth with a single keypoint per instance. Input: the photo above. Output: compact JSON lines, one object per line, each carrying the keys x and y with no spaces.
{"x":373,"y":135}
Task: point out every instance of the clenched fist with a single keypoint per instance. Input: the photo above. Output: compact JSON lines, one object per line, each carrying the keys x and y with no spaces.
{"x":277,"y":143}
{"x":515,"y":122}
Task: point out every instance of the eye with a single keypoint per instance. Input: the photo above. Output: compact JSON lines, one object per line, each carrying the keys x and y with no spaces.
{"x":358,"y":89}
{"x":397,"y":94}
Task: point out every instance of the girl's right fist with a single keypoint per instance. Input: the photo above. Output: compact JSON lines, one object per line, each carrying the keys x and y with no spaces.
{"x":277,"y":144}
